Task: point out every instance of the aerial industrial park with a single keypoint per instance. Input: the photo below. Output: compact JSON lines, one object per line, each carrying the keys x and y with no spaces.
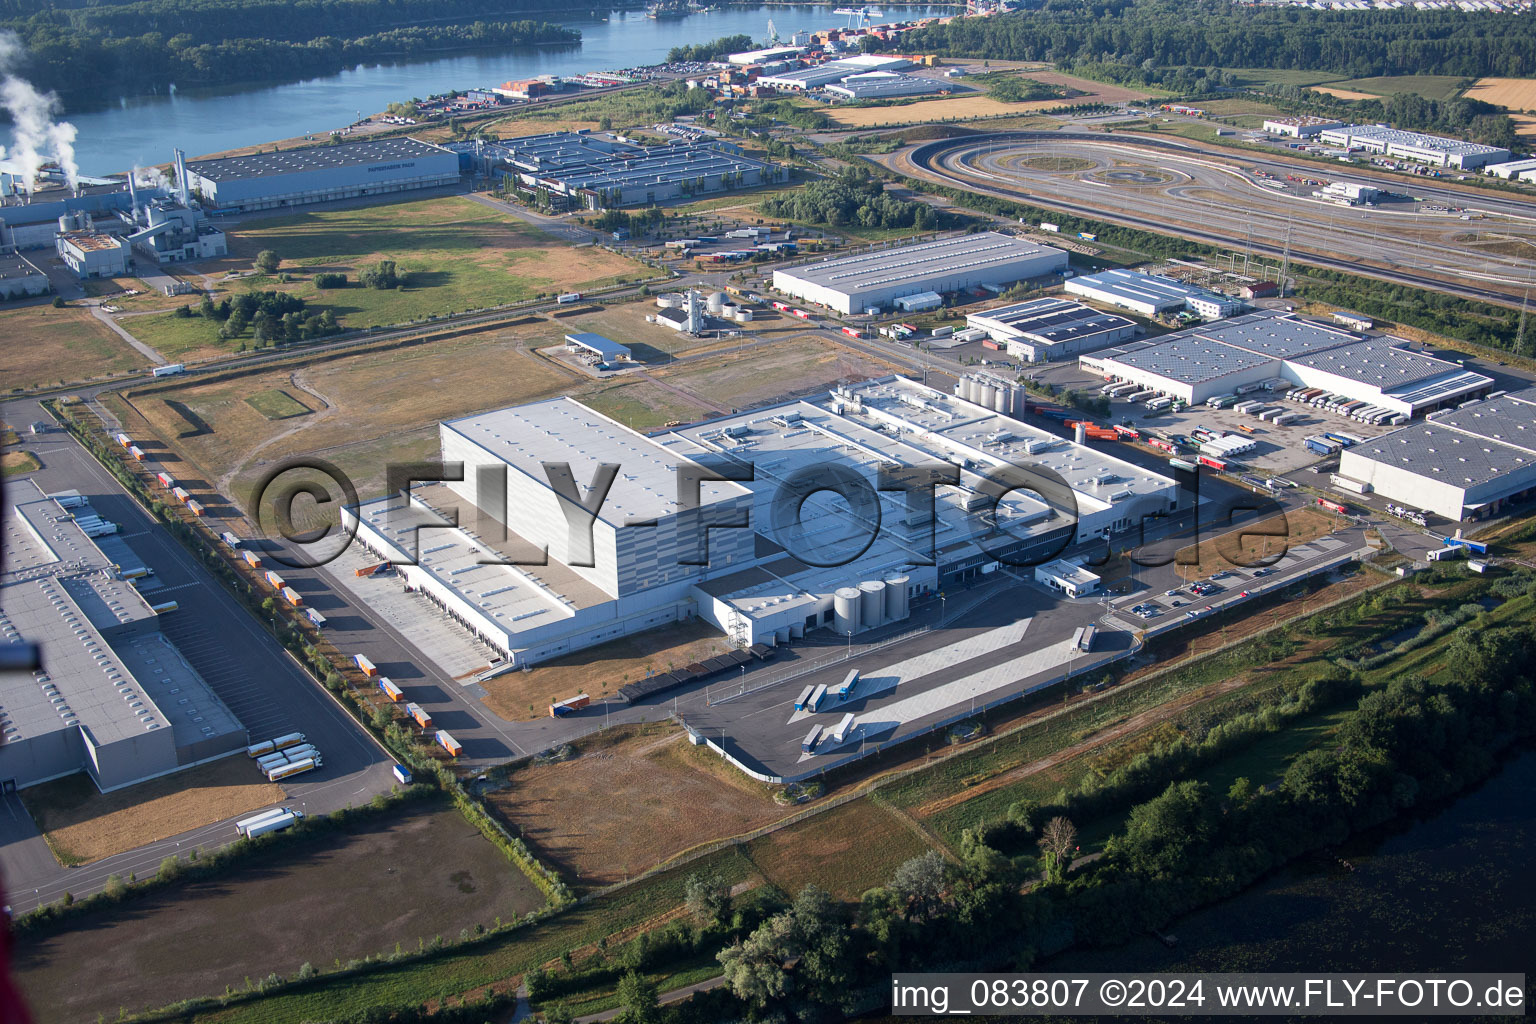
{"x":675,"y":543}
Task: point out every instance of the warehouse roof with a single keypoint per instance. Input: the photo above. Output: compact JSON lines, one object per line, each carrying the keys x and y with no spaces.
{"x":607,"y":348}
{"x":314,"y":158}
{"x":1051,"y":320}
{"x":1448,"y":456}
{"x":914,"y":264}
{"x":1382,"y":362}
{"x":1399,"y":137}
{"x":1508,"y":419}
{"x":881,"y":84}
{"x":1163,"y":292}
{"x":1188,"y":358}
{"x":564,"y":430}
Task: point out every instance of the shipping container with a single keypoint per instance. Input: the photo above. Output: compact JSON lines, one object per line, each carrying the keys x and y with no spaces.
{"x":267,"y":762}
{"x":230,"y":539}
{"x":1090,"y":633}
{"x":567,"y":298}
{"x":844,"y":689}
{"x":136,"y":452}
{"x":291,"y":739}
{"x":390,"y":690}
{"x":941,"y":332}
{"x":261,"y":749}
{"x":168,"y":370}
{"x":1446,"y":554}
{"x":844,"y":729}
{"x":453,"y":746}
{"x":1477,"y":547}
{"x":292,"y":596}
{"x":123,"y":440}
{"x":402,"y":774}
{"x":366,"y":664}
{"x":295,"y":768}
{"x":1184,"y":465}
{"x":817,"y":696}
{"x":561,"y":708}
{"x":1333,"y":506}
{"x":419,"y":715}
{"x":274,"y":580}
{"x":1217,"y":464}
{"x":180,"y":494}
{"x":802,"y":314}
{"x":195,"y":507}
{"x":853,"y":332}
{"x":802,"y":701}
{"x":1350,"y":485}
{"x":369,"y":570}
{"x":251,"y":559}
{"x":166,"y":480}
{"x":315,"y":618}
{"x":809,"y":743}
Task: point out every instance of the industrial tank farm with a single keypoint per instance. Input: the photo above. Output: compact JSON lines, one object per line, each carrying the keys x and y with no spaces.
{"x":1251,"y":205}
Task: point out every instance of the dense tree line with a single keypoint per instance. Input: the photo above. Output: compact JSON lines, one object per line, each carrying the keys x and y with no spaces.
{"x":853,"y":197}
{"x":90,"y":68}
{"x":710,"y":50}
{"x":273,"y":317}
{"x":1163,"y":33}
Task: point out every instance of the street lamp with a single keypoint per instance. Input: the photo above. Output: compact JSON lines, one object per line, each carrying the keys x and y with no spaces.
{"x":850,"y":643}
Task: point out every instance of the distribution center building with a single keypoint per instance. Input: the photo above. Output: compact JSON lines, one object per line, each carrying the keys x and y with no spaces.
{"x":1042,"y":330}
{"x":1151,"y":294}
{"x":1203,"y":362}
{"x":1463,"y":463}
{"x":1429,"y":149}
{"x":111,"y":696}
{"x":319,"y":174}
{"x":854,"y":284}
{"x":761,"y":568}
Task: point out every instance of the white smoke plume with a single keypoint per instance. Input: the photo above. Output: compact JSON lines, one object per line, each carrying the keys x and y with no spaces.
{"x":35,"y":136}
{"x":150,"y":177}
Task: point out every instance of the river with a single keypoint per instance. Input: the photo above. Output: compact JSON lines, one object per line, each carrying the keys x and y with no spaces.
{"x":144,"y":129}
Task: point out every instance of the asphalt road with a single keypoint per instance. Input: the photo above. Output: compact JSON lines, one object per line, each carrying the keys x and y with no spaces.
{"x":1213,"y":199}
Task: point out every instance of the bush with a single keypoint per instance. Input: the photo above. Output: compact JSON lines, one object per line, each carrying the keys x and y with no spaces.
{"x":58,"y":302}
{"x":330,"y":280}
{"x":383,"y":276}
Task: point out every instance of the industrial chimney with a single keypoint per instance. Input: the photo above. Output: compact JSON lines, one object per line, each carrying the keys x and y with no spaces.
{"x":183,"y":192}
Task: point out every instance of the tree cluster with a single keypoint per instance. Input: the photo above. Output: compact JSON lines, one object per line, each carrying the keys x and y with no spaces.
{"x":382,"y":275}
{"x":274,"y":317}
{"x":853,"y":197}
{"x":710,"y":50}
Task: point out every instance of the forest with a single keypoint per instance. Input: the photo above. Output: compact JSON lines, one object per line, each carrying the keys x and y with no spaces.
{"x":93,"y":55}
{"x":1157,"y":33}
{"x":854,"y":197}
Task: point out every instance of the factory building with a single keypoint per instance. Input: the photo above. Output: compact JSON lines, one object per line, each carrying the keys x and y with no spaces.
{"x":169,"y":232}
{"x":1300,"y":127}
{"x":820,"y":76}
{"x":1462,"y":463}
{"x":1430,"y":149}
{"x":764,"y":559}
{"x":1151,"y":294}
{"x":90,"y":253}
{"x":598,"y":172}
{"x":110,"y":696}
{"x":20,"y":278}
{"x":1202,"y":362}
{"x":319,"y":174}
{"x":1523,"y":170}
{"x":765,"y":56}
{"x":876,"y":279}
{"x":1043,"y":330}
{"x":34,"y":223}
{"x":883,"y":85}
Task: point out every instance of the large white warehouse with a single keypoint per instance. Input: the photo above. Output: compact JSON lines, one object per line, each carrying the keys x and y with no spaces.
{"x":853,"y":284}
{"x":1464,"y":463}
{"x":1151,"y":294}
{"x":764,"y":560}
{"x":318,"y":174}
{"x":1198,"y":363}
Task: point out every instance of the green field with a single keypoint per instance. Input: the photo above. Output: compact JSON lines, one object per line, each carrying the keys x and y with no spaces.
{"x":1431,"y":87}
{"x":454,"y":253}
{"x":1253,"y":78}
{"x":276,"y":404}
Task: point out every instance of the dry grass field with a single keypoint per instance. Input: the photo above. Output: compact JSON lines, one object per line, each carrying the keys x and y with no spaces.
{"x":44,"y":345}
{"x":369,"y":407}
{"x":17,"y":463}
{"x":846,"y":851}
{"x":1267,"y":539}
{"x":794,"y":365}
{"x":1345,"y":94}
{"x":634,"y":797}
{"x":601,"y":670}
{"x":83,"y":825}
{"x":400,"y":880}
{"x":1509,"y":93}
{"x":1434,"y":87}
{"x":968,"y":106}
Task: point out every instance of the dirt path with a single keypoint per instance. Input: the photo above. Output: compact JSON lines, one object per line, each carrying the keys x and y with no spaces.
{"x":1136,"y":723}
{"x":326,"y":410}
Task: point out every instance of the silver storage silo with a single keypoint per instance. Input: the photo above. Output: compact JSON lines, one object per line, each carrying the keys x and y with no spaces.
{"x":896,"y":597}
{"x":999,"y":399}
{"x":1080,"y":433}
{"x":845,"y":610}
{"x":716,"y":302}
{"x":985,"y":393}
{"x":743,"y":316}
{"x":873,"y":602}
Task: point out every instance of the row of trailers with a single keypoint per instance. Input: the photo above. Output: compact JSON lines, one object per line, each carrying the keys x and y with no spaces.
{"x":284,"y":756}
{"x":164,"y":479}
{"x":271,"y":578}
{"x":272,"y":820}
{"x":1343,"y":405}
{"x":415,"y":712}
{"x":822,"y":697}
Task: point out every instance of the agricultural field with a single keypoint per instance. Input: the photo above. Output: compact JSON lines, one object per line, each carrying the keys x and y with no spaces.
{"x":632,"y":798}
{"x":392,"y":398}
{"x":43,"y":342}
{"x":82,"y":825}
{"x":1346,"y":94}
{"x":845,"y":851}
{"x":1257,"y":77}
{"x":1431,"y":87}
{"x":792,"y":365}
{"x":399,"y":881}
{"x":601,"y":670}
{"x":455,"y":253}
{"x":1509,"y":93}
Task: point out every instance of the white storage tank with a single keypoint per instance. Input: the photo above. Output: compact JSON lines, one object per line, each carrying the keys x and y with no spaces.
{"x":845,"y":610}
{"x":1080,"y":433}
{"x":743,"y":316}
{"x":729,"y":309}
{"x":670,"y":300}
{"x":999,"y":400}
{"x":716,"y":302}
{"x":872,"y":611}
{"x":896,"y":597}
